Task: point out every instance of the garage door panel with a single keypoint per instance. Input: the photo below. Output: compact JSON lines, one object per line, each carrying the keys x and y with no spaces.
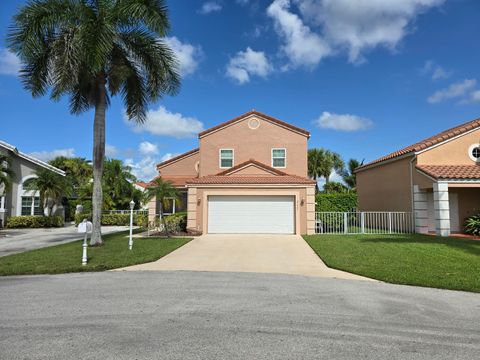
{"x":251,"y":214}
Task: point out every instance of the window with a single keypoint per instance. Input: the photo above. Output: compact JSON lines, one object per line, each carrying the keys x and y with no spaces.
{"x":279,"y":158}
{"x":2,"y":203}
{"x":474,"y":152}
{"x":226,"y":158}
{"x":31,"y":206}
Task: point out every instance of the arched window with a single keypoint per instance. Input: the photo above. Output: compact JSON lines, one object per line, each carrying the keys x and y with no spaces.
{"x":29,"y":201}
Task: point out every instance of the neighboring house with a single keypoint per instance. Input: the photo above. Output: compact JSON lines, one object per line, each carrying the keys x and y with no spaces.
{"x":438,"y":179}
{"x":248,"y":175}
{"x":18,"y":201}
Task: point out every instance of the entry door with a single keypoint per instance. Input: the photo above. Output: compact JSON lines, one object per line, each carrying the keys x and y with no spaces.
{"x":251,"y":214}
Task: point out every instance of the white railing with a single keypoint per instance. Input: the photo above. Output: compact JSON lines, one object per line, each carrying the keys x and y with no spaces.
{"x":364,"y":222}
{"x":142,"y":212}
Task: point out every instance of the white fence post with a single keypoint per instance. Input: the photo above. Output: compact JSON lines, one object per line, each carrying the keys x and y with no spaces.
{"x":362,"y":221}
{"x":345,"y":223}
{"x":389,"y":222}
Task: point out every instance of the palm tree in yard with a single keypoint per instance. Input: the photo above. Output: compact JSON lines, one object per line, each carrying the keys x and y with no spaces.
{"x":163,"y":191}
{"x":6,"y":172}
{"x":322,"y":162}
{"x":348,"y":175}
{"x":51,"y":187}
{"x":91,"y":51}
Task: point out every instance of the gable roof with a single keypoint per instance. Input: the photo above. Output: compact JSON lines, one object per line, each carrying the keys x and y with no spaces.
{"x":453,"y":172}
{"x":251,"y":162}
{"x":31,"y":159}
{"x":178,"y":157}
{"x":428,"y":142}
{"x":259,"y":114}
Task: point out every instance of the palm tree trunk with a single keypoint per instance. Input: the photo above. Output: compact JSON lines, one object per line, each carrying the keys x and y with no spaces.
{"x":98,"y":159}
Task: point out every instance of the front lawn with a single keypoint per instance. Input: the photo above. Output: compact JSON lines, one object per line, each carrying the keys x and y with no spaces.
{"x":68,"y":257}
{"x":411,"y":259}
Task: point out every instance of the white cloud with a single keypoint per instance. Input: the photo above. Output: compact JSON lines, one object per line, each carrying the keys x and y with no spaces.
{"x":147,"y":148}
{"x":168,"y":156}
{"x":188,"y":55}
{"x":145,"y":169}
{"x":110,"y":151}
{"x":475,"y":96}
{"x":246,"y":64}
{"x":455,"y":90}
{"x":435,"y":71}
{"x":9,"y":63}
{"x":334,"y":177}
{"x":49,"y":155}
{"x":302,"y":46}
{"x":326,"y":27}
{"x":166,"y":123}
{"x":343,"y":122}
{"x":210,"y":7}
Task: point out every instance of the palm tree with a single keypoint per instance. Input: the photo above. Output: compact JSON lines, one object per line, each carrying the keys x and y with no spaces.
{"x":322,"y":162}
{"x":91,"y":51}
{"x":6,"y":172}
{"x":118,"y":183}
{"x":163,"y":191}
{"x":51,"y":187}
{"x":348,"y":175}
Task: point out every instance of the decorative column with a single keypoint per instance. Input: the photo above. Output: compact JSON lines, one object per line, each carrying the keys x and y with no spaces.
{"x":192,"y":203}
{"x":420,"y":209}
{"x":442,"y":208}
{"x":152,"y":209}
{"x":310,"y":203}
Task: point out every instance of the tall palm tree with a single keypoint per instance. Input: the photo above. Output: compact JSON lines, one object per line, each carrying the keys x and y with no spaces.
{"x":348,"y":175}
{"x":91,"y":51}
{"x":322,"y":162}
{"x":51,"y":187}
{"x":163,"y":191}
{"x":6,"y":172}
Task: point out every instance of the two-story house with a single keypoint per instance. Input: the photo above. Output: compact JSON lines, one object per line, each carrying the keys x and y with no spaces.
{"x":248,"y":175}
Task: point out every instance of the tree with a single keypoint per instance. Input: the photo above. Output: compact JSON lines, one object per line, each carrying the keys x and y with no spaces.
{"x":118,"y":184}
{"x":91,"y":51}
{"x":163,"y":191}
{"x":335,"y":187}
{"x":348,"y":175}
{"x":78,"y":170}
{"x":322,"y":162}
{"x":51,"y":187}
{"x":6,"y":172}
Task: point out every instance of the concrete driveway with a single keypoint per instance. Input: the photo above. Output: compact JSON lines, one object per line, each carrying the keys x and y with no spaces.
{"x":194,"y":315}
{"x":14,"y":241}
{"x":282,"y":254}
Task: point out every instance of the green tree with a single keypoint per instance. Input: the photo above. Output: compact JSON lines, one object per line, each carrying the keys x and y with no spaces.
{"x":51,"y":187}
{"x":118,"y":184}
{"x":348,"y":175}
{"x":91,"y":51}
{"x":78,"y":170}
{"x":163,"y":191}
{"x":322,"y":162}
{"x":335,"y":187}
{"x":6,"y":172}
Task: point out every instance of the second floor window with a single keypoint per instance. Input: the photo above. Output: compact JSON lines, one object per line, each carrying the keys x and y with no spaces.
{"x":226,"y":158}
{"x":279,"y":158}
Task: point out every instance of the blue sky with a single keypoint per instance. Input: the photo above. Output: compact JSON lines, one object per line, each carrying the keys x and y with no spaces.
{"x":365,"y":77}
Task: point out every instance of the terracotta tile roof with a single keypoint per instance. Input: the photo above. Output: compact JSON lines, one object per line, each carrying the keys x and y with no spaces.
{"x":245,"y":180}
{"x":142,"y":184}
{"x":177,"y":181}
{"x":253,"y":162}
{"x":426,"y":143}
{"x":254,"y":112}
{"x":191,"y":152}
{"x":456,"y":172}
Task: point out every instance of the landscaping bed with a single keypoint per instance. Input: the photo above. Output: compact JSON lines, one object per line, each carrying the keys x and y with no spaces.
{"x":113,"y":254}
{"x":410,"y":259}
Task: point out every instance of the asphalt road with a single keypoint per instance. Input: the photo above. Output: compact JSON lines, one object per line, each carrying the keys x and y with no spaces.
{"x":199,"y":315}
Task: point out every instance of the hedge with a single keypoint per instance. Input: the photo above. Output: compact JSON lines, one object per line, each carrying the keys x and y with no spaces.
{"x":18,"y":222}
{"x":115,"y":219}
{"x":175,"y":223}
{"x":336,"y":202}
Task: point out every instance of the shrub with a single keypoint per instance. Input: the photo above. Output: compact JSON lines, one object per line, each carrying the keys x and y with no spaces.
{"x":336,"y":202}
{"x":115,"y":219}
{"x":176,"y":223}
{"x":472,"y":225}
{"x":18,"y":222}
{"x":72,"y":206}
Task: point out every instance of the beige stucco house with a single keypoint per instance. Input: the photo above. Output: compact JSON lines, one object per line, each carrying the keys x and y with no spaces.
{"x":437,"y":179}
{"x":248,"y":175}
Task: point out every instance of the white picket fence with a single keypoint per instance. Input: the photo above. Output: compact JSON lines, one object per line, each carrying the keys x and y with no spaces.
{"x":364,"y":222}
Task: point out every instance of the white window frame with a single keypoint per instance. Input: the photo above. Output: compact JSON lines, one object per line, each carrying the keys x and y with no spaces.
{"x":28,"y":193}
{"x":285,"y":165}
{"x":173,"y":205}
{"x":2,"y":203}
{"x":470,"y":150}
{"x":220,"y":159}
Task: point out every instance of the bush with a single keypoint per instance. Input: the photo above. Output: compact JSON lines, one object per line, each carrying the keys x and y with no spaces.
{"x":472,"y":225}
{"x":115,"y":219}
{"x":18,"y":222}
{"x":72,"y":206}
{"x":176,"y":223}
{"x":336,"y":202}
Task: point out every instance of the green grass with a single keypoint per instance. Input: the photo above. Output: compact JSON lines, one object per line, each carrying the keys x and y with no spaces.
{"x":413,"y":259}
{"x":67,"y":258}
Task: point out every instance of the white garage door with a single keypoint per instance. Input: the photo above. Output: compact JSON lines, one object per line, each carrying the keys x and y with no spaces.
{"x":251,"y":214}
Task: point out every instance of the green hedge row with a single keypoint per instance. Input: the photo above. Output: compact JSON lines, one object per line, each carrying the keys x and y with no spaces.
{"x":18,"y":222}
{"x":336,"y":202}
{"x":115,"y":219}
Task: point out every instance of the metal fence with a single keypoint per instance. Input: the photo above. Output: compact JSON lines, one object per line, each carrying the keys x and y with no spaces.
{"x":141,"y":212}
{"x":364,"y":222}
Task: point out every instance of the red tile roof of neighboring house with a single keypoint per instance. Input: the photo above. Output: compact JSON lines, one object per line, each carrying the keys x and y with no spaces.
{"x":456,"y":172}
{"x":175,"y":158}
{"x":426,"y":143}
{"x":242,"y":180}
{"x":253,"y":162}
{"x":254,"y":112}
{"x":142,"y":184}
{"x":177,"y":181}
